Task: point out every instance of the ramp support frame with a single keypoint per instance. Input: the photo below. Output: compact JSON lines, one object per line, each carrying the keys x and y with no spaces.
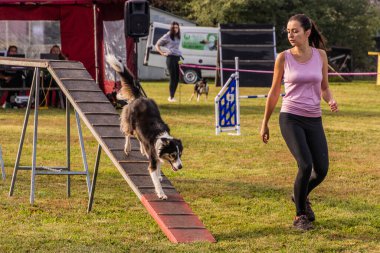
{"x":46,"y":170}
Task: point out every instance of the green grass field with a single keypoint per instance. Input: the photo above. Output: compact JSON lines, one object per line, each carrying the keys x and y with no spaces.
{"x":238,"y":186}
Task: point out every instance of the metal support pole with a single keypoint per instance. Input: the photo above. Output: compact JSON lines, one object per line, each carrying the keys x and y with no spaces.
{"x":91,"y":197}
{"x":68,"y":144}
{"x":23,"y":132}
{"x":237,"y":78}
{"x":34,"y":156}
{"x":84,"y":157}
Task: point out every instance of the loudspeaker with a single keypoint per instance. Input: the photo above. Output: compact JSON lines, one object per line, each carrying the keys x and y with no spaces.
{"x":136,"y":18}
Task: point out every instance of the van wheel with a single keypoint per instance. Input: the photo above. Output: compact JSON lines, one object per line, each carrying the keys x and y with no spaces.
{"x":190,"y":75}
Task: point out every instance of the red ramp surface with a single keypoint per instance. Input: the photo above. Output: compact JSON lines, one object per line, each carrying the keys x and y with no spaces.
{"x":176,"y":219}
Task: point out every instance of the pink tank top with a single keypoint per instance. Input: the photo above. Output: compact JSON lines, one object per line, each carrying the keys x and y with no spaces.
{"x":303,"y":85}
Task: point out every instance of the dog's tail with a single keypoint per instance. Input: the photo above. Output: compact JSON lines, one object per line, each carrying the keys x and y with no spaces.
{"x":131,"y":88}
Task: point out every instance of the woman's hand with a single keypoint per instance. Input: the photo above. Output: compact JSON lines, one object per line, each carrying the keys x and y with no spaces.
{"x":333,"y":105}
{"x":264,"y":132}
{"x":164,"y":53}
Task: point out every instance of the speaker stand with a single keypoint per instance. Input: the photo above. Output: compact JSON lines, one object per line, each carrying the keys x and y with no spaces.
{"x":136,"y":40}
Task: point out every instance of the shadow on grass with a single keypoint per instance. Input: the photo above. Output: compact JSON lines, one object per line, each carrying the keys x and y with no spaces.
{"x":223,"y":188}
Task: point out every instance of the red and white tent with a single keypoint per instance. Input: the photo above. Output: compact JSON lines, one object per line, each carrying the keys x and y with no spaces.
{"x":81,"y":28}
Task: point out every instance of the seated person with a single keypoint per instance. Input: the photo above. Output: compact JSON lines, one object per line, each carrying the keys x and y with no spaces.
{"x":10,"y":79}
{"x":57,"y":50}
{"x":52,"y":97}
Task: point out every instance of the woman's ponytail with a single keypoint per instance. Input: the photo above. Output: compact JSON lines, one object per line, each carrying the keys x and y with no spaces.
{"x":316,"y":39}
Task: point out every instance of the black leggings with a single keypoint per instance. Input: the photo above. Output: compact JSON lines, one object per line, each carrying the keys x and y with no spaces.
{"x":307,"y":142}
{"x":173,"y":68}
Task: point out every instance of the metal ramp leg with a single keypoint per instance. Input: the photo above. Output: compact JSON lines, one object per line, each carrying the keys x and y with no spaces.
{"x":34,"y":155}
{"x":22,"y":138}
{"x":83,"y":151}
{"x":92,"y":192}
{"x":68,"y":145}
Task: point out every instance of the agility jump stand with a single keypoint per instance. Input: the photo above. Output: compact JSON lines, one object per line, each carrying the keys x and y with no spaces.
{"x":45,"y":170}
{"x":227,"y":105}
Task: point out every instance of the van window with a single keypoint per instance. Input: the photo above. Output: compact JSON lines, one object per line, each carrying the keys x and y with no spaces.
{"x":200,"y":41}
{"x":158,"y":33}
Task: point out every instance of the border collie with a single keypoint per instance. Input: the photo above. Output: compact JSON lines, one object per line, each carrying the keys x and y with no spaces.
{"x":141,"y":118}
{"x":200,"y":87}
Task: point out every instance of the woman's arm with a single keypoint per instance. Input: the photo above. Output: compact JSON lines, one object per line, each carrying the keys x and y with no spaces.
{"x":273,"y":95}
{"x":326,"y":93}
{"x":161,"y":42}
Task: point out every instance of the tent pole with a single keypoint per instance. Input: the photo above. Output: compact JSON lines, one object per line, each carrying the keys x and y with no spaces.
{"x":136,"y":40}
{"x":96,"y":46}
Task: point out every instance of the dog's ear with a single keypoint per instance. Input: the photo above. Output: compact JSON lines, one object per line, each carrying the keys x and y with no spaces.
{"x":179,"y":144}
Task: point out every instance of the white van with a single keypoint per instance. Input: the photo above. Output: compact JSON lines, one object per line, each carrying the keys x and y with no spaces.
{"x":198,"y":47}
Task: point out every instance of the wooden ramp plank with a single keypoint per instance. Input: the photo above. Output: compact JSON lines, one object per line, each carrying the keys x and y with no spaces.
{"x":176,"y":219}
{"x":104,"y":119}
{"x":174,"y":216}
{"x":65,"y":64}
{"x":72,"y":84}
{"x":72,"y":74}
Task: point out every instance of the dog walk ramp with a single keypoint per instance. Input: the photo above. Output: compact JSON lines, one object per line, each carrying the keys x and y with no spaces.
{"x":174,"y":216}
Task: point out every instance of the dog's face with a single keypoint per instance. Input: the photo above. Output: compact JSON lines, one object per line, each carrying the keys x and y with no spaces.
{"x":170,"y":150}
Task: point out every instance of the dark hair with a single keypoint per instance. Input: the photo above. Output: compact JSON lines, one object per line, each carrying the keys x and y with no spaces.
{"x":55,"y":46}
{"x":316,"y":39}
{"x":10,"y":47}
{"x":61,"y":56}
{"x":172,"y":32}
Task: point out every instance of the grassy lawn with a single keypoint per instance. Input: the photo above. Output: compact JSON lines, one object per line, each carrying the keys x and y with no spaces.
{"x":239,"y":187}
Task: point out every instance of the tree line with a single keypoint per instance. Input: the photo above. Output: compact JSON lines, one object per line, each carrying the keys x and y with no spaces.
{"x":352,"y":24}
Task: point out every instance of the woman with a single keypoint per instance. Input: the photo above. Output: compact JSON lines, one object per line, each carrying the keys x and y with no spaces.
{"x":57,"y":50}
{"x":171,"y":41}
{"x":304,"y":68}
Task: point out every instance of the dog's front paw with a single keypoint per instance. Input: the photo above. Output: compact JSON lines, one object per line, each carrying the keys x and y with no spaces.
{"x":161,"y":195}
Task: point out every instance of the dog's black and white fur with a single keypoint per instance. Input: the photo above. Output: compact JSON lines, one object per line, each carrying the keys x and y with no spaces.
{"x":141,"y":118}
{"x":200,"y":87}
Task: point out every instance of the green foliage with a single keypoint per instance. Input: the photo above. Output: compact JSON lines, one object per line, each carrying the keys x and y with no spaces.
{"x":351,"y":24}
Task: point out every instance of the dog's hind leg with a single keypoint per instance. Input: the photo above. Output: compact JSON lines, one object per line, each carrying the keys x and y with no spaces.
{"x":127,"y":146}
{"x":191,"y":98}
{"x":198,"y":96}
